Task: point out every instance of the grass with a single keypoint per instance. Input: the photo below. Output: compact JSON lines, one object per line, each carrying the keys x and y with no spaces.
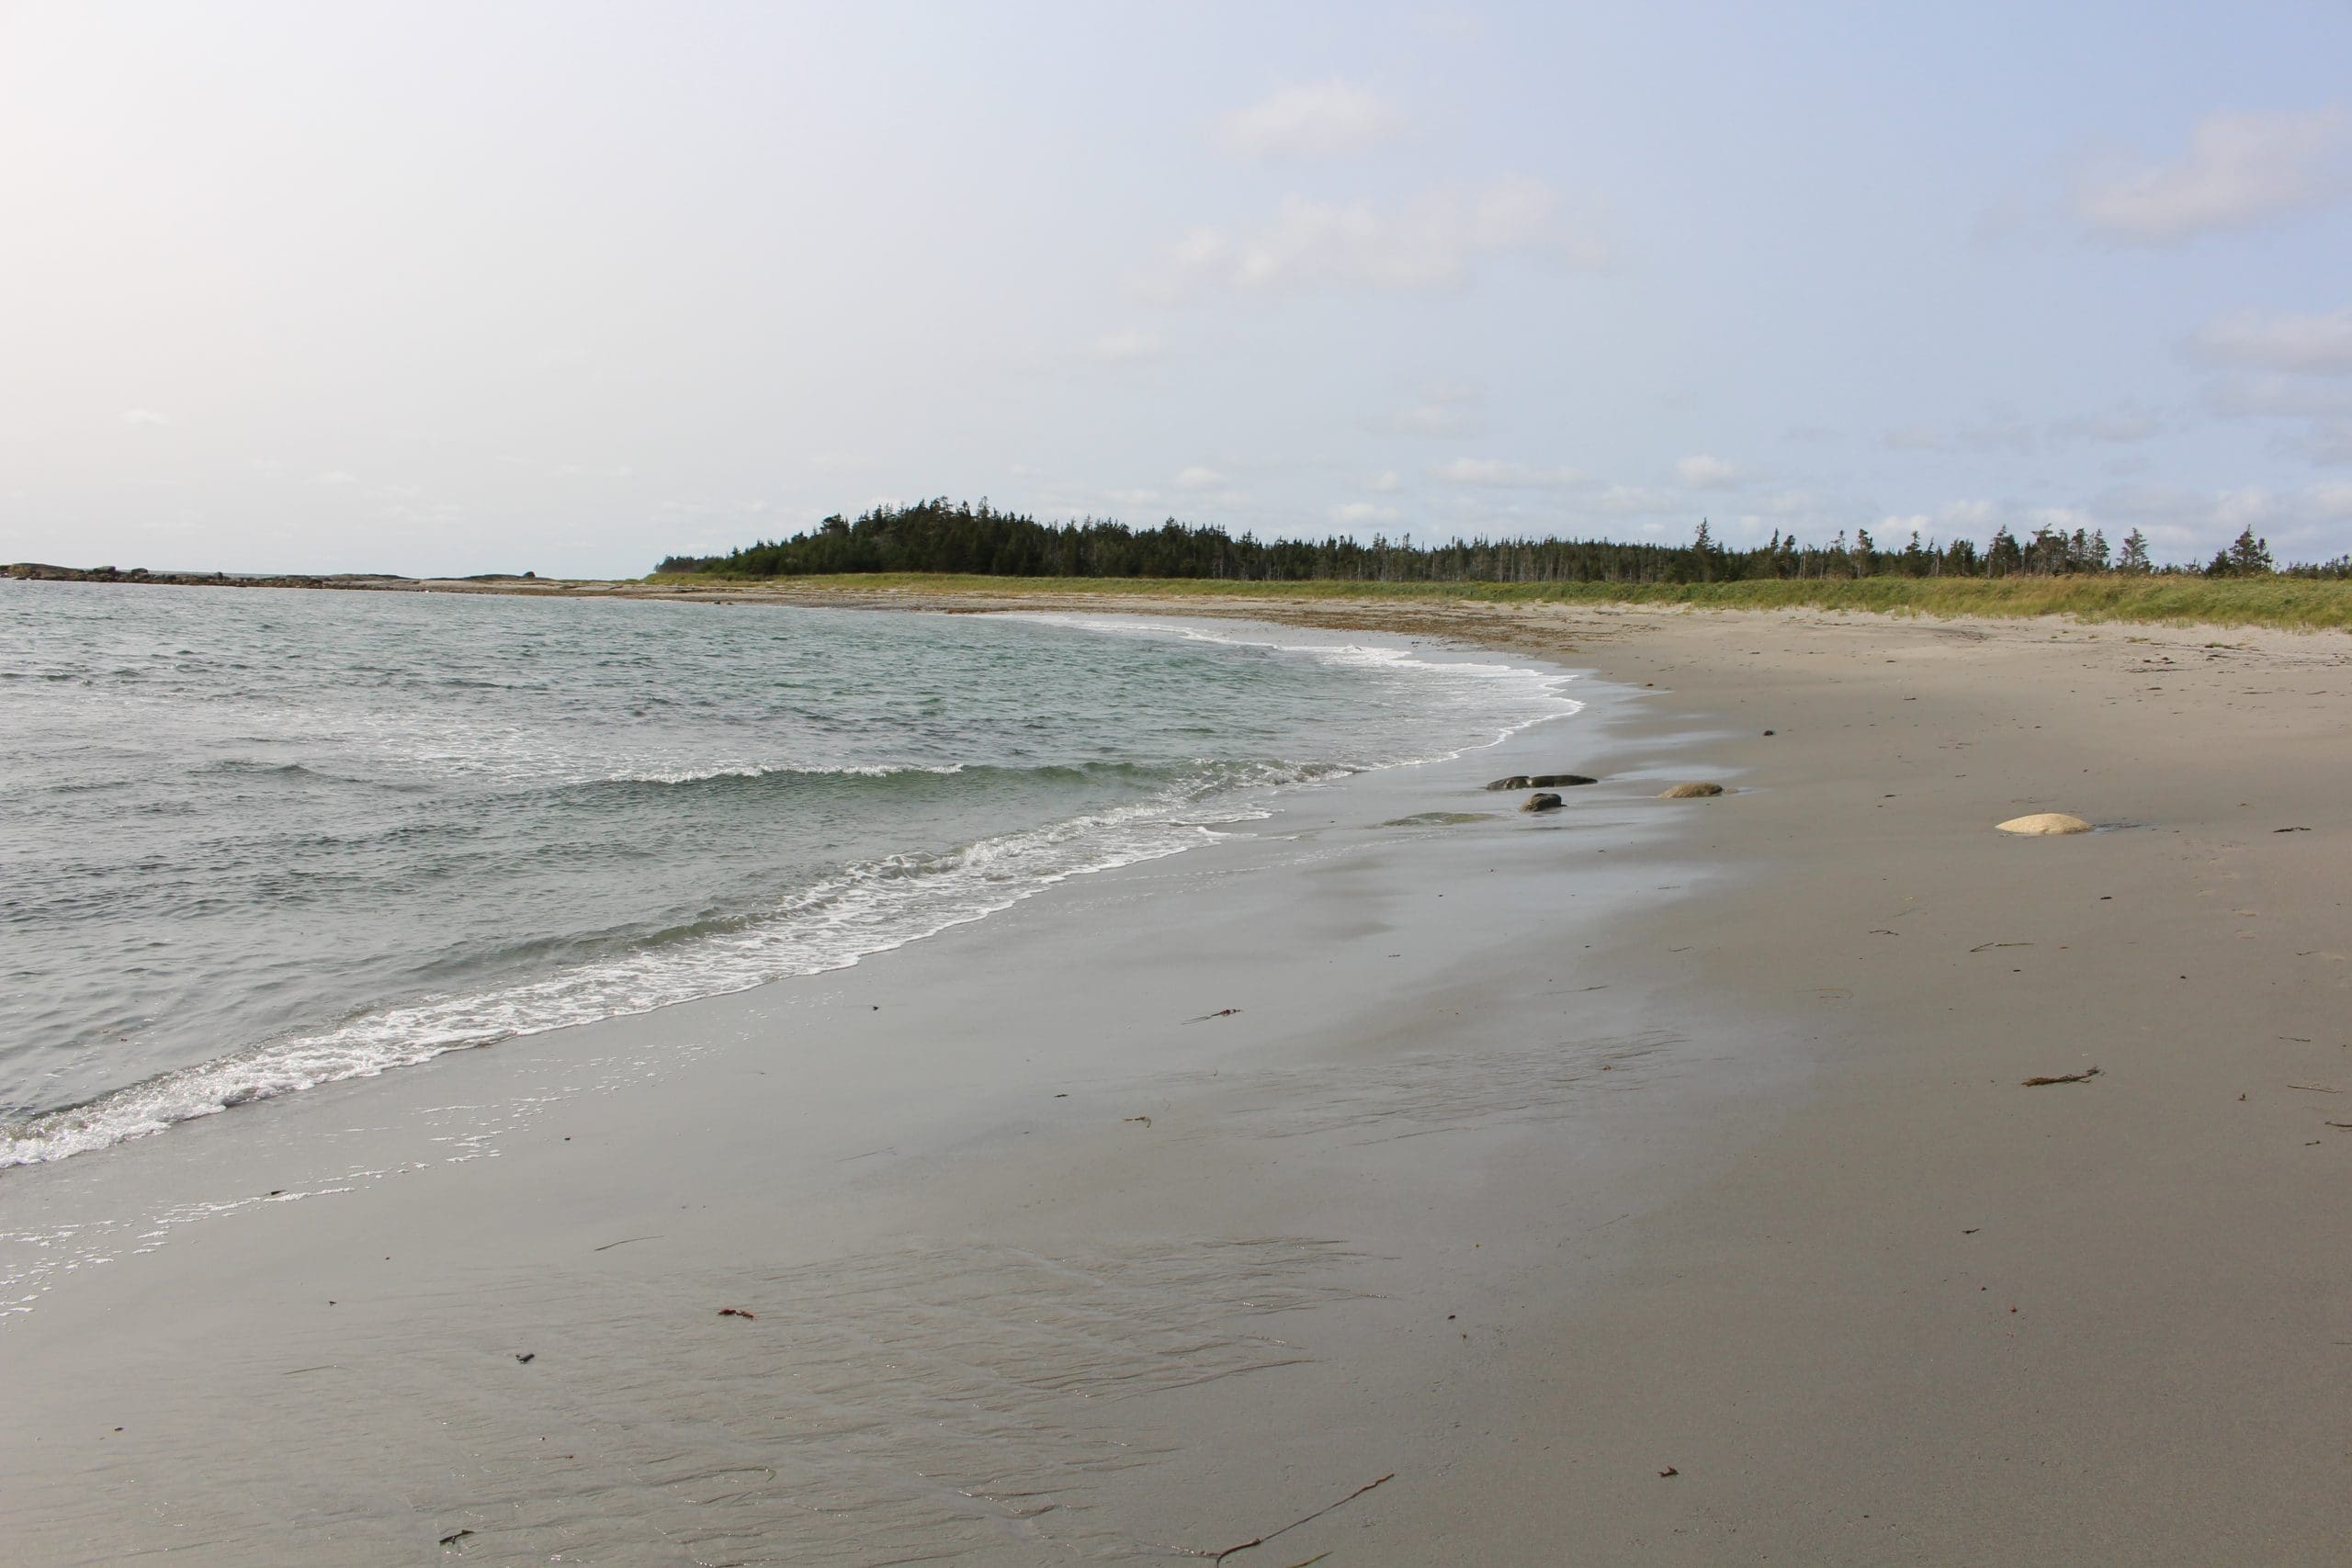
{"x":2301,"y":603}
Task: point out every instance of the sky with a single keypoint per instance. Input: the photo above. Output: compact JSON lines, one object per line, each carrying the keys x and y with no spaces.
{"x":436,"y":288}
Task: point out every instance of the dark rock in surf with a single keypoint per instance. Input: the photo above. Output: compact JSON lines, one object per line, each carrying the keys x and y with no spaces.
{"x":1540,"y":780}
{"x":1542,"y":803}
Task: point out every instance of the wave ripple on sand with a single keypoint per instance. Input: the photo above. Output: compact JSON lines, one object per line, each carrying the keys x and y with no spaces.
{"x":930,"y":1402}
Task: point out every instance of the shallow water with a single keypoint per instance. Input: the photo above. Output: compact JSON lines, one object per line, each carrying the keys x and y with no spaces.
{"x":253,"y":840}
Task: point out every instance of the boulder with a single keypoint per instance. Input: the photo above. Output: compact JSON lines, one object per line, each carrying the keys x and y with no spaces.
{"x":1542,"y":803}
{"x":2046,"y":822}
{"x":1691,"y":791}
{"x":1540,"y":780}
{"x":1517,"y":781}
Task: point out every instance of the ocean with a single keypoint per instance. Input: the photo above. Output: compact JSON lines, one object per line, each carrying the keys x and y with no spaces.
{"x":254,"y":841}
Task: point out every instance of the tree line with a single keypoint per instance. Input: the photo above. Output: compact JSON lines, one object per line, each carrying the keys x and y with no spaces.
{"x":937,"y":536}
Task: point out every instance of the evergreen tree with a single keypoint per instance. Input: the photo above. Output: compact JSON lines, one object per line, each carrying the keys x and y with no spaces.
{"x":2002,"y":557}
{"x":2249,"y":557}
{"x":939,"y":537}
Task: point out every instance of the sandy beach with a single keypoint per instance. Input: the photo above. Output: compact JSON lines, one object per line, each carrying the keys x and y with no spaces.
{"x":1644,"y":1183}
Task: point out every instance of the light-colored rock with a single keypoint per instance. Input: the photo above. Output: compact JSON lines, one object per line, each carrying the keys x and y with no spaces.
{"x":2046,"y":822}
{"x":1691,"y":791}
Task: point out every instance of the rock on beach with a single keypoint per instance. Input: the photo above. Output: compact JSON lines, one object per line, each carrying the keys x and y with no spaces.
{"x":2046,"y":822}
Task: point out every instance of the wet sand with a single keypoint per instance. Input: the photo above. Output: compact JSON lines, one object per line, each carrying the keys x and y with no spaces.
{"x":1542,"y":1155}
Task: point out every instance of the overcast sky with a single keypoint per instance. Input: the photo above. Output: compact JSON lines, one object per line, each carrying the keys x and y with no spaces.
{"x":569,"y":287}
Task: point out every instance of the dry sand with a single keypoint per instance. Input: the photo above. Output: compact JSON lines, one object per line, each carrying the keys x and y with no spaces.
{"x":1542,"y":1155}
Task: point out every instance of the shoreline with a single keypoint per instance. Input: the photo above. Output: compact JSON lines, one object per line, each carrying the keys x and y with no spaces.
{"x":1776,"y":1256}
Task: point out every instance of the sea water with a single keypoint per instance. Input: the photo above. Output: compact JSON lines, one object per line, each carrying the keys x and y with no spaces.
{"x":257,"y":839}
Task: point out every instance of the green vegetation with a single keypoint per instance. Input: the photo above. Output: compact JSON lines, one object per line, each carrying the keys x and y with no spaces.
{"x":941,"y":549}
{"x":2298,"y":603}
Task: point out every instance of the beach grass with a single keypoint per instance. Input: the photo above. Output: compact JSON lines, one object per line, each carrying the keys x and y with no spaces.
{"x":2300,"y":603}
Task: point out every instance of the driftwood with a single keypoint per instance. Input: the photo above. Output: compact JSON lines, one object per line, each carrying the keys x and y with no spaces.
{"x":2063,"y":1077}
{"x":1262,"y":1539}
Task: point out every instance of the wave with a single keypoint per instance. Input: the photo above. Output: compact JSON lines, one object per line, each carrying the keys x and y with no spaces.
{"x":1532,"y":695}
{"x":864,"y":909}
{"x":857,"y":911}
{"x":884,"y":779}
{"x":763,"y":770}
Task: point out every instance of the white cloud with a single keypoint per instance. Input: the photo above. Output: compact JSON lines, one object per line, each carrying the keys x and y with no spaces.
{"x":146,"y":417}
{"x":1891,"y":526}
{"x":1126,"y":348}
{"x":2326,"y":405}
{"x":1432,"y":242}
{"x":1516,"y":475}
{"x":1197,"y":478}
{"x":1913,"y":438}
{"x":2241,"y":170}
{"x":1356,"y":512}
{"x":2331,"y":502}
{"x":2327,"y":441}
{"x":1448,"y":408}
{"x":1479,"y":472}
{"x":1967,"y":513}
{"x":1384,"y":484}
{"x":1620,"y":501}
{"x":2189,"y":525}
{"x":2244,"y":508}
{"x":2318,"y":345}
{"x":2244,"y":396}
{"x":1995,"y":433}
{"x":2115,"y":426}
{"x":1701,"y":471}
{"x":1311,"y":119}
{"x":1451,"y":24}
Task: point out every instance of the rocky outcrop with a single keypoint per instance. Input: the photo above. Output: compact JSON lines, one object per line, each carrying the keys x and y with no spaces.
{"x":1542,"y":803}
{"x":1541,"y":781}
{"x":1691,"y":791}
{"x":37,"y":571}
